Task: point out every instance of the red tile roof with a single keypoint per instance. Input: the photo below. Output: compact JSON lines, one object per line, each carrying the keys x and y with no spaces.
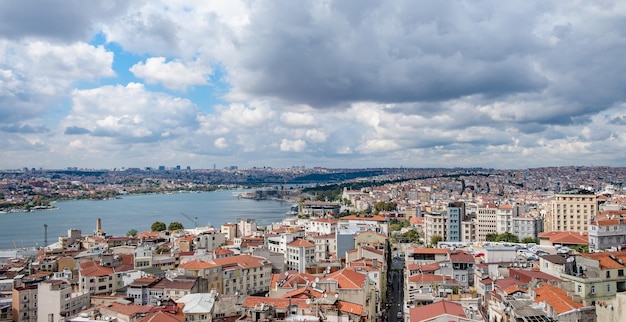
{"x":605,"y":259}
{"x":565,"y":237}
{"x":347,"y":279}
{"x":351,"y":308}
{"x":301,"y":243}
{"x":437,"y":309}
{"x":555,"y":297}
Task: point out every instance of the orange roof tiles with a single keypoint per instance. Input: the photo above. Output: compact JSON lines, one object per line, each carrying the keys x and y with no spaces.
{"x":431,"y":311}
{"x":566,"y":237}
{"x":347,"y":279}
{"x":300,"y":243}
{"x":555,"y":297}
{"x":605,"y":260}
{"x":351,"y":308}
{"x":431,"y":278}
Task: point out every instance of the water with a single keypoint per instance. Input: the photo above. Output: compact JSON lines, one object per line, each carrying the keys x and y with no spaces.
{"x":134,"y":212}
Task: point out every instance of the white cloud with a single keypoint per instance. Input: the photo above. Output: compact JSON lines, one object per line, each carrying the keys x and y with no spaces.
{"x":174,"y":75}
{"x":287,"y":145}
{"x":220,"y":143}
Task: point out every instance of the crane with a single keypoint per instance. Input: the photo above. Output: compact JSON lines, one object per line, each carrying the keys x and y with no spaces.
{"x":194,"y":220}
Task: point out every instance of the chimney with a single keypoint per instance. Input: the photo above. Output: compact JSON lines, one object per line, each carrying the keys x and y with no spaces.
{"x":98,"y":225}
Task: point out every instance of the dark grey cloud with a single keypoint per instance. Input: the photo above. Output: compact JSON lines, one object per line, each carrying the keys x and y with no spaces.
{"x":76,"y":130}
{"x":388,"y":52}
{"x":24,"y":128}
{"x":55,"y":19}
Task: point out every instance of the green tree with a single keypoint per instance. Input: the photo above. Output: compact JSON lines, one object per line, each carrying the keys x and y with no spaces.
{"x":528,"y":240}
{"x":175,"y":225}
{"x":491,"y":237}
{"x":435,"y":239}
{"x":158,"y":226}
{"x":507,"y":238}
{"x":132,"y":233}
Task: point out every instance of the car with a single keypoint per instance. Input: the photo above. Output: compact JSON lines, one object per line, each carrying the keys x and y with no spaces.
{"x":399,"y":315}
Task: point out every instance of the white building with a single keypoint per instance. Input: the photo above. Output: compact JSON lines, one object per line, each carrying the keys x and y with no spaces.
{"x":300,"y":254}
{"x":56,"y":300}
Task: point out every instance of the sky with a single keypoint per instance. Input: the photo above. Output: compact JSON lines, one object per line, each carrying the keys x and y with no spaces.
{"x":332,"y":83}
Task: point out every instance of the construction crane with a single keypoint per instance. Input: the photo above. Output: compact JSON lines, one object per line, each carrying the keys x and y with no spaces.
{"x":194,"y":220}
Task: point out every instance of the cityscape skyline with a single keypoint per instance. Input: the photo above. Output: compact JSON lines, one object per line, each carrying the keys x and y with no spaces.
{"x":505,"y":85}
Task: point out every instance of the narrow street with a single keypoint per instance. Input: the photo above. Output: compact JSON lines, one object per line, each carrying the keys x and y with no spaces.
{"x":396,"y":291}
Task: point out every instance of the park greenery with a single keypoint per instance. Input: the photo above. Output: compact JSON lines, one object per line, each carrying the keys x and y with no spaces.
{"x":504,"y":237}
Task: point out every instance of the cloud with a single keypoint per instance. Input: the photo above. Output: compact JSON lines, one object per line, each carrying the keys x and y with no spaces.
{"x":492,"y":83}
{"x":174,"y":75}
{"x":76,"y":130}
{"x":68,"y":20}
{"x":36,"y":74}
{"x":220,"y":143}
{"x":287,"y":145}
{"x":131,"y":114}
{"x":24,"y":128}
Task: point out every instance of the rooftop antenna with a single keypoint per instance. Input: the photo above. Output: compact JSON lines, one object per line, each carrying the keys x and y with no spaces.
{"x":45,"y":235}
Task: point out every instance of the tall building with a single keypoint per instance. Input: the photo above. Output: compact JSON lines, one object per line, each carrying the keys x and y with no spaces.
{"x":504,"y":219}
{"x":485,"y":221}
{"x":456,"y":215}
{"x":572,"y":211}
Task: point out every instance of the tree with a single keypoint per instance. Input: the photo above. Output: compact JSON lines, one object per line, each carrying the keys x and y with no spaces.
{"x":507,"y":238}
{"x":528,"y":240}
{"x":175,"y":225}
{"x":491,"y":237}
{"x":158,"y":226}
{"x":435,"y":239}
{"x":132,"y":233}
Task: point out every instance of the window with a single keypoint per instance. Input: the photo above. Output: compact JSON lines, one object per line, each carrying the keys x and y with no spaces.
{"x":579,"y":289}
{"x":608,"y":287}
{"x":608,"y":274}
{"x":620,"y":272}
{"x":593,"y":289}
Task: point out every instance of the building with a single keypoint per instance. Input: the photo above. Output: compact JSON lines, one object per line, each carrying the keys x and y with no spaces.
{"x":572,"y":211}
{"x":455,"y":216}
{"x":57,"y":301}
{"x":435,"y":225}
{"x":24,"y":303}
{"x":443,"y":311}
{"x":525,"y":226}
{"x":485,"y":221}
{"x":300,"y":254}
{"x":596,"y":277}
{"x":504,"y":219}
{"x":608,"y":231}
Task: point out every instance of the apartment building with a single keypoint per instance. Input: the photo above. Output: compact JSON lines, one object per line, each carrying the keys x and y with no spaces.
{"x":105,"y":275}
{"x":435,"y":225}
{"x":572,"y":211}
{"x":300,"y":254}
{"x":596,"y":276}
{"x":485,"y":221}
{"x":57,"y":301}
{"x":609,"y":230}
{"x":241,"y":274}
{"x":456,"y":216}
{"x":504,"y":219}
{"x":24,"y":303}
{"x":527,"y":226}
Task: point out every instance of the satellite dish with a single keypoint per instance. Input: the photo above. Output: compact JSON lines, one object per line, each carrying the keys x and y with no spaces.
{"x":313,"y":284}
{"x":317,"y":279}
{"x":336,"y":295}
{"x":286,"y":273}
{"x":308,"y":301}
